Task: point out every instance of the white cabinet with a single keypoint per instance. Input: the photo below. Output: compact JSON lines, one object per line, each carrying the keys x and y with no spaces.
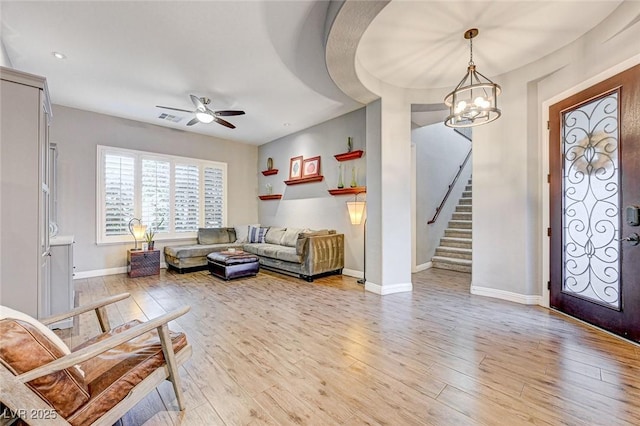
{"x":24,"y":193}
{"x":61,"y":283}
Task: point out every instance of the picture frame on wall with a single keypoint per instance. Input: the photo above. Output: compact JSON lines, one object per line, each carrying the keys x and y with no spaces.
{"x":295,"y":167}
{"x":311,"y":167}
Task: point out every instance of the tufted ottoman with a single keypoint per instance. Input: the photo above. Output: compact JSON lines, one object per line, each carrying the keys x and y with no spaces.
{"x":228,"y":265}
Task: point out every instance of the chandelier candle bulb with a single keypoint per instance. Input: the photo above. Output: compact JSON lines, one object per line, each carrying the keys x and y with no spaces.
{"x":474,"y":101}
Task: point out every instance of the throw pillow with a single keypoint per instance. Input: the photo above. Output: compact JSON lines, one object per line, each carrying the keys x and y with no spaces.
{"x":23,"y":348}
{"x":6,"y":312}
{"x":242,"y":232}
{"x":290,"y":237}
{"x":256,"y":234}
{"x":274,"y":235}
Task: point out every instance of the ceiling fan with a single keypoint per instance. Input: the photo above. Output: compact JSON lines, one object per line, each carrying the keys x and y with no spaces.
{"x":204,"y":114}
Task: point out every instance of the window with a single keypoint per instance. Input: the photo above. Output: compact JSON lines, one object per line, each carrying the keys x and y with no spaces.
{"x":175,"y":194}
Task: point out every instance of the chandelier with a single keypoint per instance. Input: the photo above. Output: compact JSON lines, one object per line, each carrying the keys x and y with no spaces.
{"x":474,"y":101}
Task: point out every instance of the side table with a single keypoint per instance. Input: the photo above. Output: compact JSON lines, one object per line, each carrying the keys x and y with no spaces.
{"x":141,"y":263}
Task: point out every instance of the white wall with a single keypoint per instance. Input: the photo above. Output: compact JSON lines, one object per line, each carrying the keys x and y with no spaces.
{"x":77,"y":134}
{"x":309,"y":205}
{"x":439,"y":153}
{"x":509,"y":162}
{"x":4,"y":57}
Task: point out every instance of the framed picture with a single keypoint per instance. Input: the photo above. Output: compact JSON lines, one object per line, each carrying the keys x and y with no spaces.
{"x":311,"y":167}
{"x":295,"y":168}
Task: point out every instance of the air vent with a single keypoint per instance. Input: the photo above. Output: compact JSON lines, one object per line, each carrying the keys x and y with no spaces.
{"x":170,"y":117}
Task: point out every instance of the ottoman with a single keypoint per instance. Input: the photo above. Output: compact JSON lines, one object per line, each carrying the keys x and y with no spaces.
{"x":228,"y":265}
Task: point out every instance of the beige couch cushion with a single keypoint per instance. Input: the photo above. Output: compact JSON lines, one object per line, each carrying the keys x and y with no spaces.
{"x":274,"y":251}
{"x":216,"y":235}
{"x":274,"y":235}
{"x":290,"y":237}
{"x":196,"y":250}
{"x":242,"y":232}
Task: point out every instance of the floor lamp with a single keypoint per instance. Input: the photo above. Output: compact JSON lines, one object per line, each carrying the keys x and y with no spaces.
{"x":356,"y":213}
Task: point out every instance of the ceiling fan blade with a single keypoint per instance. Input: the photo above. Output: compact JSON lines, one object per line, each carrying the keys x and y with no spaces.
{"x":198,"y":103}
{"x":224,"y":122}
{"x":193,"y":121}
{"x":173,"y":109}
{"x":228,"y":113}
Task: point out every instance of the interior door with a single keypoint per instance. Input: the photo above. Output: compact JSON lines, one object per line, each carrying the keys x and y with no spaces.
{"x":595,"y":197}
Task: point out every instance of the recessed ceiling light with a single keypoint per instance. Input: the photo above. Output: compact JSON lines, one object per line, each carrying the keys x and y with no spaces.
{"x":59,"y":55}
{"x":287,"y":124}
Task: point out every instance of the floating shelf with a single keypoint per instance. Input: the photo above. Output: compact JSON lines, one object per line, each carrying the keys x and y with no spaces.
{"x":348,"y":191}
{"x":346,"y":156}
{"x":270,"y":172}
{"x":304,"y":180}
{"x":270,"y":197}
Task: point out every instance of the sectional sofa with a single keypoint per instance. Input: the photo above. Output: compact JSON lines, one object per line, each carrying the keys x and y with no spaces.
{"x":295,"y":251}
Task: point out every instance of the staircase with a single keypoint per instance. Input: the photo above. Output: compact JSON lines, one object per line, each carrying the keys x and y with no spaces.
{"x":454,"y":252}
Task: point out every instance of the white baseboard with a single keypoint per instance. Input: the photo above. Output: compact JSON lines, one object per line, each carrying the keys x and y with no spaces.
{"x":99,"y":273}
{"x":383,"y":290}
{"x":105,"y":272}
{"x":524,"y":299}
{"x":423,"y":266}
{"x":352,"y":273}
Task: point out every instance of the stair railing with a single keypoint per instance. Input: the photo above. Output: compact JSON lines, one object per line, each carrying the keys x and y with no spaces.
{"x":453,"y":184}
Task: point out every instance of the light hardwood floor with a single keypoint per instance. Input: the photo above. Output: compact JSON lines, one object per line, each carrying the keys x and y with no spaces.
{"x":277,"y":350}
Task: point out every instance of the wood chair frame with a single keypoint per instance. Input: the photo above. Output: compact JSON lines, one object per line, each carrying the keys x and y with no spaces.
{"x":27,"y":405}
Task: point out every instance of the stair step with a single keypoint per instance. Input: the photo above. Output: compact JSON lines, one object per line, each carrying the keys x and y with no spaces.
{"x":461,"y":265}
{"x":465,"y":201}
{"x":467,"y":194}
{"x":468,"y":187}
{"x":456,"y":242}
{"x":463,"y":208}
{"x":458,"y":233}
{"x":462,"y":216}
{"x":460,"y":224}
{"x":454,"y":252}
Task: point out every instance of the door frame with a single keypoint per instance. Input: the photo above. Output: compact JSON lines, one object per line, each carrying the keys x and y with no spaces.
{"x":544,"y":162}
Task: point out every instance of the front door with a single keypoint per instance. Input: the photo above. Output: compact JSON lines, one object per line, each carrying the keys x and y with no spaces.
{"x":595,"y":202}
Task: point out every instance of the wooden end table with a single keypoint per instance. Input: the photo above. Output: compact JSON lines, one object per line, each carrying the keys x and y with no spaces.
{"x":141,"y":263}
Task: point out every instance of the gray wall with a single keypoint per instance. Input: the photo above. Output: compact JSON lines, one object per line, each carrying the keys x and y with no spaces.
{"x":439,"y":153}
{"x":77,"y":134}
{"x":310,"y":205}
{"x":4,"y":57}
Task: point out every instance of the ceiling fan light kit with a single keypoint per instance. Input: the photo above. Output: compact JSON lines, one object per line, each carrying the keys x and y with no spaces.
{"x":203,"y":117}
{"x":203,"y":114}
{"x":474,"y":101}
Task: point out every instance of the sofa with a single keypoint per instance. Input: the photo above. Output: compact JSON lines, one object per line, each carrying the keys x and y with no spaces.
{"x":294,"y":251}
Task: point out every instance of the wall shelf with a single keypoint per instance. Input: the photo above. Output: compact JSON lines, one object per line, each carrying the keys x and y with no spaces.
{"x":270,"y":197}
{"x":304,"y":180}
{"x":348,"y":191}
{"x":270,"y":172}
{"x":346,"y":156}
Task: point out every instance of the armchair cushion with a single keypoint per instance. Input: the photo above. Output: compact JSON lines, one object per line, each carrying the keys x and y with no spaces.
{"x":24,"y":347}
{"x":111,"y":375}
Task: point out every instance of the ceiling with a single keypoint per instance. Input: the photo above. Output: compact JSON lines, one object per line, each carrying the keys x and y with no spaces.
{"x":123,"y":58}
{"x":429,"y":51}
{"x":266,"y":57}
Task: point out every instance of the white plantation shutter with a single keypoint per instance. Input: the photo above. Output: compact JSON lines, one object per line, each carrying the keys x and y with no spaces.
{"x":119,"y":193}
{"x":156,"y":193}
{"x":187,"y":198}
{"x":213,"y":197}
{"x":189,"y":193}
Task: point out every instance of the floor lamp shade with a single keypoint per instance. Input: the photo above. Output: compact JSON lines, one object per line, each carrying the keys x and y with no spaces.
{"x":356,"y":211}
{"x":138,"y":230}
